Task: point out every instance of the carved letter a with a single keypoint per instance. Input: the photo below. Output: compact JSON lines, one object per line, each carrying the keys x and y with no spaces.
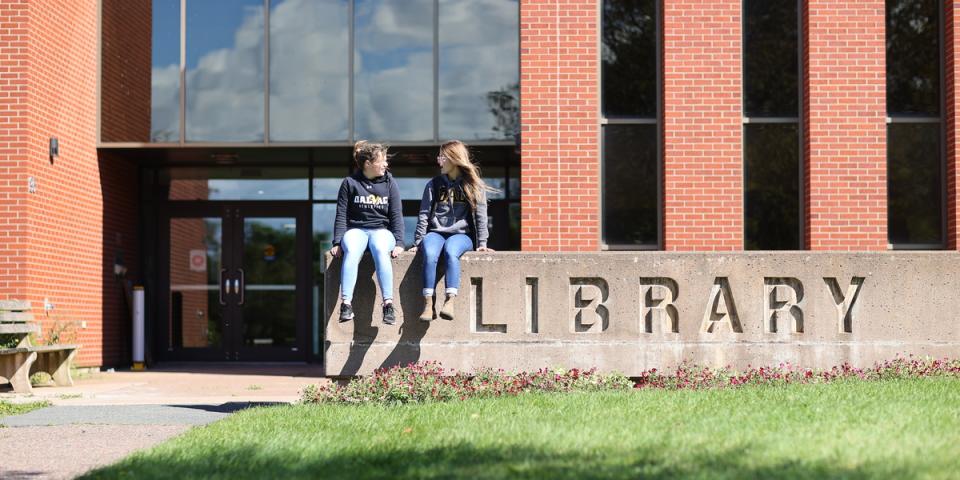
{"x":721,"y":308}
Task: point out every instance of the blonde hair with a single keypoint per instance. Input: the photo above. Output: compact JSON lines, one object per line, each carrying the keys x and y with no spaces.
{"x":364,"y":151}
{"x":473,"y":185}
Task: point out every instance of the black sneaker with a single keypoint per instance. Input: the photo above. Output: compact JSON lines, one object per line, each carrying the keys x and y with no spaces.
{"x":346,"y":312}
{"x":389,"y":316}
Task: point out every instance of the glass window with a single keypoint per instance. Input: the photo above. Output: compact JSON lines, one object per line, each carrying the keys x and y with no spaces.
{"x":630,"y":184}
{"x":323,"y":217}
{"x":479,"y":69}
{"x":772,"y":182}
{"x":393,"y":69}
{"x":915,"y":184}
{"x":309,"y":77}
{"x":165,"y":72}
{"x":225,"y":68}
{"x":631,"y":181}
{"x":913,"y":57}
{"x":236,"y":183}
{"x":915,"y":207}
{"x":629,"y":58}
{"x":326,"y":182}
{"x":772,"y":147}
{"x":139,"y":74}
{"x":770,"y":56}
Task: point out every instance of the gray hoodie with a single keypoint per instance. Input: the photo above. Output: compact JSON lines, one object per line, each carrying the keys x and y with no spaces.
{"x":444,"y":209}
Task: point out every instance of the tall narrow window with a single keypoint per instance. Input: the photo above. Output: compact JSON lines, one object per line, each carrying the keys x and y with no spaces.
{"x":631,"y":156}
{"x":771,"y":125}
{"x":915,"y":186}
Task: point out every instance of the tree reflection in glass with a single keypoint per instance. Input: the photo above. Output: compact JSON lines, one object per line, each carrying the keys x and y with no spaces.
{"x":479,"y":69}
{"x":629,"y":58}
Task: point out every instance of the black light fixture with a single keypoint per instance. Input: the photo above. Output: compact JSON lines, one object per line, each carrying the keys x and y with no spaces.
{"x":54,"y":148}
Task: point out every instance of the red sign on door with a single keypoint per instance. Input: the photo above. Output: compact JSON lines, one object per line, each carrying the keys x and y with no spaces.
{"x":198,"y":260}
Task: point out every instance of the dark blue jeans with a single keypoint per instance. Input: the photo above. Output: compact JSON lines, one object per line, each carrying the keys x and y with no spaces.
{"x":452,"y":247}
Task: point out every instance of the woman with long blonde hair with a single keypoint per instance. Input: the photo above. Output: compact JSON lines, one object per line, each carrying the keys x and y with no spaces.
{"x":452,"y":220}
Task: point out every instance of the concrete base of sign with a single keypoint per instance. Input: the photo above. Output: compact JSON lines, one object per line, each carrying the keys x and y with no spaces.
{"x":632,"y":311}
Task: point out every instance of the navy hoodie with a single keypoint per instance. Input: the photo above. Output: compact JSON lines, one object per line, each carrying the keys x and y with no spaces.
{"x":368,"y":203}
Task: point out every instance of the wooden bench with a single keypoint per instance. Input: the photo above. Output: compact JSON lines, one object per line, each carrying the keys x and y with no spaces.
{"x":21,"y":361}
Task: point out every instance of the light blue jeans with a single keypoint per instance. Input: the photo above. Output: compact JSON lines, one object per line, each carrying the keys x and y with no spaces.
{"x":452,"y":248}
{"x":381,"y":242}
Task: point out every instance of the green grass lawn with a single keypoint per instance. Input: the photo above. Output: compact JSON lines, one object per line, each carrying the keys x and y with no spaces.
{"x":850,"y":429}
{"x":7,"y":408}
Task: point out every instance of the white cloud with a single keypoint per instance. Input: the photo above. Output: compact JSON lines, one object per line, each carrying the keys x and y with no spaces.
{"x":309,"y":78}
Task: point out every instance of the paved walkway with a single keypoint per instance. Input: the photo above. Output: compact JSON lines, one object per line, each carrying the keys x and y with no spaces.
{"x":106,"y":416}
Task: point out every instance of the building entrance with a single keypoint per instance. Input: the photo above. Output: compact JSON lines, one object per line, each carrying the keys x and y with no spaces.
{"x":234,"y":281}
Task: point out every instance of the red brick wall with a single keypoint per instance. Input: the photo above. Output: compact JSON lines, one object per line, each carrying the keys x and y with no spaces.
{"x":952,"y":47}
{"x":13,"y":143}
{"x":703,"y":167}
{"x":845,"y":122}
{"x":65,"y":254}
{"x":126,"y":71}
{"x":559,"y":86}
{"x":60,"y":242}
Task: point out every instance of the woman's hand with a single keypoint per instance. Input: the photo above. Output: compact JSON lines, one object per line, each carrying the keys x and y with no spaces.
{"x":485,"y":249}
{"x":396,"y":252}
{"x":335,"y":251}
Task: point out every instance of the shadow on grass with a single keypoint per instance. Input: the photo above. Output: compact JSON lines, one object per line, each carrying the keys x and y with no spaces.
{"x":465,"y":461}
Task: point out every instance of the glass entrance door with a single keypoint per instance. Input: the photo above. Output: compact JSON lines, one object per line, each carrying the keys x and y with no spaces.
{"x":235,"y":282}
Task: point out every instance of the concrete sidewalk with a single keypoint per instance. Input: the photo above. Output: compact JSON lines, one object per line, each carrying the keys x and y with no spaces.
{"x":108,"y":415}
{"x":181,"y":384}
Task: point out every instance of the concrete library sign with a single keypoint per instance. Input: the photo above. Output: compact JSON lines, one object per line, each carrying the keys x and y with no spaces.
{"x":634,"y":311}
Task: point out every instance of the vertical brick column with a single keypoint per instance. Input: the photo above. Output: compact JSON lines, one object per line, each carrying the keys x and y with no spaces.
{"x":703,"y":125}
{"x":13,"y":142}
{"x":70,"y":251}
{"x":845,"y":123}
{"x":952,"y":123}
{"x":559,"y":94}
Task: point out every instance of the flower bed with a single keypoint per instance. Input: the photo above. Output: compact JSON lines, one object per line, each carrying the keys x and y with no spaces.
{"x":429,"y":382}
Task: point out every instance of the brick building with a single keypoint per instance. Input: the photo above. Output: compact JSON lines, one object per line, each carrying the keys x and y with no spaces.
{"x":201,"y":143}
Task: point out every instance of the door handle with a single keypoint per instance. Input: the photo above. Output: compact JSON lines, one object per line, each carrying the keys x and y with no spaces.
{"x":222,"y":286}
{"x":241,"y":285}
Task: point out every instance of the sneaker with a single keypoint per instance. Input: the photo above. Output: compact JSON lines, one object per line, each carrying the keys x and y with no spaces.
{"x":389,"y":316}
{"x":346,"y":312}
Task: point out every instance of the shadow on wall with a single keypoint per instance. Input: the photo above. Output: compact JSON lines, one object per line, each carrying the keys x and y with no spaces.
{"x":366,"y":301}
{"x":119,"y":187}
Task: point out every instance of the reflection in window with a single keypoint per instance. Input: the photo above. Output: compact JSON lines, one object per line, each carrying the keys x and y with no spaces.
{"x":913,"y":57}
{"x":771,"y":140}
{"x":225,"y":57}
{"x":770,"y":58}
{"x":629,"y":58}
{"x":309,"y":88}
{"x":771,"y":186}
{"x":479,"y":69}
{"x":630,"y":184}
{"x":165,"y":72}
{"x":240,"y":183}
{"x":915,"y":186}
{"x":393,"y":69}
{"x":631,"y":154}
{"x":326,"y":182}
{"x":270,"y":278}
{"x":323,"y":218}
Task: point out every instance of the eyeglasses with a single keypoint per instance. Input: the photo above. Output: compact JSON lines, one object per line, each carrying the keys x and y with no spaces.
{"x":442,"y":157}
